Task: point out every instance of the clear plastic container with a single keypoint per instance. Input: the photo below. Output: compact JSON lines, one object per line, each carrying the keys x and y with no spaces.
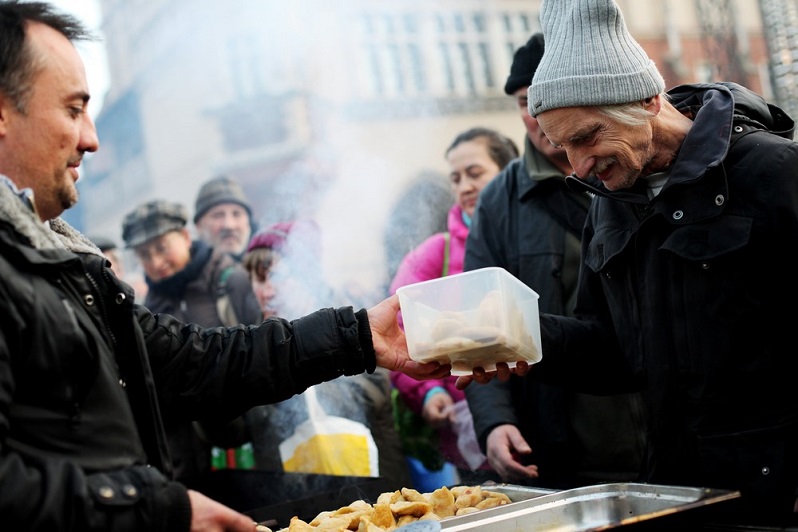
{"x":472,"y":319}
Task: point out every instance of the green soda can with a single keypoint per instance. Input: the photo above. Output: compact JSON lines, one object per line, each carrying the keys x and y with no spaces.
{"x":218,"y":458}
{"x":245,"y":457}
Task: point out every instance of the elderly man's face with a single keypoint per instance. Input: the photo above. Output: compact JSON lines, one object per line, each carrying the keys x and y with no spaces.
{"x":226,"y":227}
{"x":615,"y":153}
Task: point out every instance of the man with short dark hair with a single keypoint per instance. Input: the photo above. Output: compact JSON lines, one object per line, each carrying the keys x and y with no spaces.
{"x":87,"y":377}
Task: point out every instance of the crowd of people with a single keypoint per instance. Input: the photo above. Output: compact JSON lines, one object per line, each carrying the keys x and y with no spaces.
{"x":651,"y":222}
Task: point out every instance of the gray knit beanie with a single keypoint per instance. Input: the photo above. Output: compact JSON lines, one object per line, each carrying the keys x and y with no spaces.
{"x":219,"y":190}
{"x":590,"y":59}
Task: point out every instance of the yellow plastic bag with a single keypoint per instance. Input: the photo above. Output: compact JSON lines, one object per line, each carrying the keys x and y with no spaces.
{"x":330,"y":445}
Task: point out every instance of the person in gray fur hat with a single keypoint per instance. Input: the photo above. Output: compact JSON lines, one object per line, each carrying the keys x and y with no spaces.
{"x":223,"y":216}
{"x":529,"y":222}
{"x":89,"y":378}
{"x":687,"y":259}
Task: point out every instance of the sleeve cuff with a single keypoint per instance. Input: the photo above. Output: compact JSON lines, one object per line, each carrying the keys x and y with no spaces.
{"x":366,"y":341}
{"x":433,"y":391}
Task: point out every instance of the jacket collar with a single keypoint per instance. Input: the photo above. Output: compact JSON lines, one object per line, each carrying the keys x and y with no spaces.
{"x":455,"y":224}
{"x":537,"y":165}
{"x":55,"y":234}
{"x":537,"y":168}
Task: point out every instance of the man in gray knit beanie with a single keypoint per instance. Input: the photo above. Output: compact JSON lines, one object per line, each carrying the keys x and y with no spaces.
{"x":686,"y":255}
{"x":529,"y":221}
{"x":590,"y":59}
{"x":223,"y":216}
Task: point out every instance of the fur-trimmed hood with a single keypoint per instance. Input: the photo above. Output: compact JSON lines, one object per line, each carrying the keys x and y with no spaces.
{"x":57,"y":234}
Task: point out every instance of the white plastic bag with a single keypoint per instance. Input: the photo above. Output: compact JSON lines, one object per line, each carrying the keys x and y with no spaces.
{"x":467,"y":443}
{"x":330,"y":445}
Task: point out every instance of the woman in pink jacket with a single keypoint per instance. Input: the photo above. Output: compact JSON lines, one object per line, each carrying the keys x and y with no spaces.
{"x":475,"y":157}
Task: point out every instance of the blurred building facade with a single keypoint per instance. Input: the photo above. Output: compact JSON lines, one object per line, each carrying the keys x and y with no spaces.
{"x":337,"y":110}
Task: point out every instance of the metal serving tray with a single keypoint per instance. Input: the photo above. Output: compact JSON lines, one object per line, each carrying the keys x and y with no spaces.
{"x":517,"y":493}
{"x":599,"y":507}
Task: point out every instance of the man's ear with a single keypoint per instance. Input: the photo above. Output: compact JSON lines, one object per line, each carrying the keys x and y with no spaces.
{"x":653,"y":104}
{"x":5,"y":109}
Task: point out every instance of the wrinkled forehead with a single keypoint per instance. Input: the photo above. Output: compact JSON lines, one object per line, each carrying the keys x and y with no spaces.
{"x":567,"y":125}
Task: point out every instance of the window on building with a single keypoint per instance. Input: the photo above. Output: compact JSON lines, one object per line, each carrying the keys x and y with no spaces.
{"x":400,"y":63}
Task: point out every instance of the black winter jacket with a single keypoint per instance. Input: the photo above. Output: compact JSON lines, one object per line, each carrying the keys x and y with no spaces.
{"x":86,"y":375}
{"x":688,"y":297}
{"x":530,"y":223}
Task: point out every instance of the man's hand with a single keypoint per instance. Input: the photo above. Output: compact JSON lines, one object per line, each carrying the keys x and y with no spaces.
{"x":504,"y":446}
{"x":208,"y":515}
{"x":503,"y":373}
{"x":390,"y":344}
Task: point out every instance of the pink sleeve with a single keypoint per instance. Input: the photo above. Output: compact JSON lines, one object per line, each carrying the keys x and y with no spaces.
{"x":423,"y":263}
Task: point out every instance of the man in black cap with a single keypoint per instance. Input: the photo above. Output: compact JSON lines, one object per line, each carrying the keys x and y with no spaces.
{"x":530,"y":223}
{"x":223,"y":216}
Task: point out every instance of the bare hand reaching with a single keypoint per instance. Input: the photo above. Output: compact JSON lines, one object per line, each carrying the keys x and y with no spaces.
{"x":505,"y":445}
{"x":208,"y":515}
{"x":390,"y":343}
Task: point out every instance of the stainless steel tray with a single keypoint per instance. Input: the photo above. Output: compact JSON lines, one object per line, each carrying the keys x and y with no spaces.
{"x":599,"y":507}
{"x":518,"y":493}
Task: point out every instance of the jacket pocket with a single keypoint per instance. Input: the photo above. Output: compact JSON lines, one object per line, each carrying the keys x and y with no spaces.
{"x":711,"y":240}
{"x":607,"y":243}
